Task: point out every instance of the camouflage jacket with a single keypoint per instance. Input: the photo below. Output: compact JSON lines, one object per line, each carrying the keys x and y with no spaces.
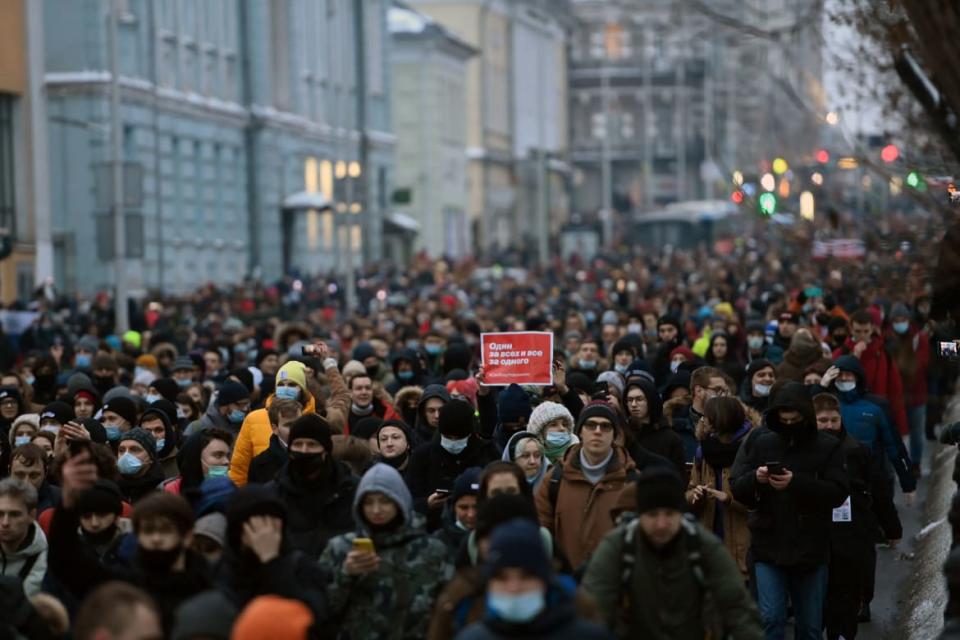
{"x":395,"y":602}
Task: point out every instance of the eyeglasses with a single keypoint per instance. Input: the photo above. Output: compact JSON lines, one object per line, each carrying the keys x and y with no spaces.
{"x":604,"y":427}
{"x":719,"y":391}
{"x":636,"y":400}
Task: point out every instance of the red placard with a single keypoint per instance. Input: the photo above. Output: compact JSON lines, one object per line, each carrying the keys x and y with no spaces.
{"x":523,"y":357}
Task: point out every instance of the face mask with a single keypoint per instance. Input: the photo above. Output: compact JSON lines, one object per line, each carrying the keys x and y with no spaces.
{"x":160,"y":443}
{"x":83,"y":361}
{"x":901,"y":327}
{"x":236,"y":416}
{"x":413,"y":344}
{"x":634,"y":327}
{"x":558,"y":438}
{"x":218,"y":471}
{"x":158,"y":560}
{"x":454,"y":447}
{"x":184,"y":383}
{"x":152,"y":397}
{"x":588,"y":364}
{"x":287,"y":393}
{"x":518,"y":608}
{"x":755,"y":342}
{"x":181,"y":415}
{"x":839,"y":340}
{"x":674,"y":366}
{"x":846,"y":386}
{"x":308,"y":467}
{"x":129,"y":464}
{"x":113,"y":433}
{"x":405,"y":376}
{"x":373,"y":371}
{"x":434,"y":349}
{"x":762,"y":390}
{"x":621,"y":368}
{"x":30,"y":380}
{"x":19,"y":441}
{"x":50,"y":429}
{"x":101,"y":537}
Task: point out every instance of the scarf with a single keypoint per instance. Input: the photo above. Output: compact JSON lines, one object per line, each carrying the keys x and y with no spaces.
{"x":361,"y":411}
{"x":721,"y":455}
{"x":595,"y":473}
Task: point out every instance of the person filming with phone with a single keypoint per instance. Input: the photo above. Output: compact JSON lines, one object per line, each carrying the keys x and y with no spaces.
{"x":791,"y":477}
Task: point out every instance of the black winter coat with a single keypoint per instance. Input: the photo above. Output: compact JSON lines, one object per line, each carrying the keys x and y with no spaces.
{"x":659,"y":440}
{"x":791,"y":527}
{"x":267,"y":464}
{"x":871,"y":502}
{"x":313,"y":516}
{"x":432,"y":467}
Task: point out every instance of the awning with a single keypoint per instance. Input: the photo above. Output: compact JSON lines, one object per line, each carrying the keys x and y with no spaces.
{"x":403,"y":222}
{"x":306,"y":200}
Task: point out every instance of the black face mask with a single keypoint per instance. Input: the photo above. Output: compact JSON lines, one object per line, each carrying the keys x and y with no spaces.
{"x":310,"y":468}
{"x":101,"y":537}
{"x":397,"y":461}
{"x":158,"y":561}
{"x":839,"y":340}
{"x":373,"y":370}
{"x":44,"y":382}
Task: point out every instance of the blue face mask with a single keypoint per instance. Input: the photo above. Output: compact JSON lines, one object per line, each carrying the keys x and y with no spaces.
{"x":236,"y":416}
{"x":846,"y":386}
{"x":434,"y":349}
{"x":406,"y":376}
{"x":558,"y":438}
{"x":160,"y":443}
{"x":901,"y":327}
{"x":454,"y":447}
{"x":519,"y":608}
{"x":83,"y":361}
{"x":218,"y":471}
{"x":19,"y":441}
{"x":287,"y":393}
{"x":151,"y":397}
{"x":621,"y":368}
{"x":588,"y":364}
{"x":30,"y":380}
{"x":184,"y":383}
{"x":129,"y":464}
{"x":113,"y":433}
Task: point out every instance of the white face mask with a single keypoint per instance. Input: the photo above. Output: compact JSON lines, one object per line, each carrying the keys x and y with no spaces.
{"x":762,"y":390}
{"x":846,"y":385}
{"x":454,"y":447}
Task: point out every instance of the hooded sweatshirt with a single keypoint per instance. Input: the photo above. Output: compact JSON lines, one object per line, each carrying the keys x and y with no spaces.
{"x":423,"y":432}
{"x":29,"y":562}
{"x":395,"y":601}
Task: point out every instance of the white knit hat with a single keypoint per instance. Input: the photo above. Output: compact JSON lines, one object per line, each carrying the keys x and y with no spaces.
{"x":545,"y":413}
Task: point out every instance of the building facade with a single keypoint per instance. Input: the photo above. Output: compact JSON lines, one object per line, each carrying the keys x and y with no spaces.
{"x":24,"y":202}
{"x":668,"y":100}
{"x":230,"y":110}
{"x":429,"y":66}
{"x":516,"y":113}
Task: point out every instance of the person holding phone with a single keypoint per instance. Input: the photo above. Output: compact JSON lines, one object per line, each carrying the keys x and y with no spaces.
{"x":791,"y":476}
{"x":386,"y":574}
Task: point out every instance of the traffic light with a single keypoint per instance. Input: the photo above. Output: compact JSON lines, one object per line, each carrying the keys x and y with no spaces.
{"x":823,"y":156}
{"x":768,"y":203}
{"x":889,"y":153}
{"x":913,"y":180}
{"x":737,"y":197}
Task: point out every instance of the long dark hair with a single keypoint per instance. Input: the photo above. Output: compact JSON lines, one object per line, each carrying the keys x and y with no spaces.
{"x":725,"y":414}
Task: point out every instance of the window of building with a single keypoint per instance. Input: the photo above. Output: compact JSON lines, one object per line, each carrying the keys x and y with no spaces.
{"x":7,"y":166}
{"x":598,"y":125}
{"x":626,"y":126}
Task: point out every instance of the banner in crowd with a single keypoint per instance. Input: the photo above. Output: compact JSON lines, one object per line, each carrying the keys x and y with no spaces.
{"x":523,"y":357}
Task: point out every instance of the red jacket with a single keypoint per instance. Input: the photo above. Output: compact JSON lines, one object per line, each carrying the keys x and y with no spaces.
{"x":882,"y":376}
{"x":911,"y":353}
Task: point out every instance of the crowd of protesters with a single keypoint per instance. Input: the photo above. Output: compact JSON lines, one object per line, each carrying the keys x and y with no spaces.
{"x":719,"y":450}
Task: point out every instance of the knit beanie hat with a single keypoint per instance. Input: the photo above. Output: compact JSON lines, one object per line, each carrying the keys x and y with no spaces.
{"x":660,"y":488}
{"x":363,"y":351}
{"x":683,"y":351}
{"x":214,"y":495}
{"x":104,"y":361}
{"x":500,"y":508}
{"x":598,"y":409}
{"x":183,"y":363}
{"x":580,"y":382}
{"x":248,"y":501}
{"x":212,"y":525}
{"x":899,"y":310}
{"x":293,"y":371}
{"x":517,"y":544}
{"x":456,"y":419}
{"x":466,"y":484}
{"x":621,"y":345}
{"x":367,"y":427}
{"x":231,"y":391}
{"x":167,"y":387}
{"x":144,"y":439}
{"x":669,"y":320}
{"x":59,"y":411}
{"x":123,"y":407}
{"x":310,"y":425}
{"x":88,"y":344}
{"x":757,"y":365}
{"x":208,"y":615}
{"x":103,"y":497}
{"x":613,"y":379}
{"x":271,"y":617}
{"x":97,"y":433}
{"x":513,"y":404}
{"x":545,"y":413}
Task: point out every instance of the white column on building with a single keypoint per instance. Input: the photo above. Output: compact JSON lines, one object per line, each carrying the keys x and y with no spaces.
{"x":39,"y":155}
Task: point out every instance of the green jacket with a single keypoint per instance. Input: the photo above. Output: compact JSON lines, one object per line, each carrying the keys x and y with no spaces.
{"x":665,"y":599}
